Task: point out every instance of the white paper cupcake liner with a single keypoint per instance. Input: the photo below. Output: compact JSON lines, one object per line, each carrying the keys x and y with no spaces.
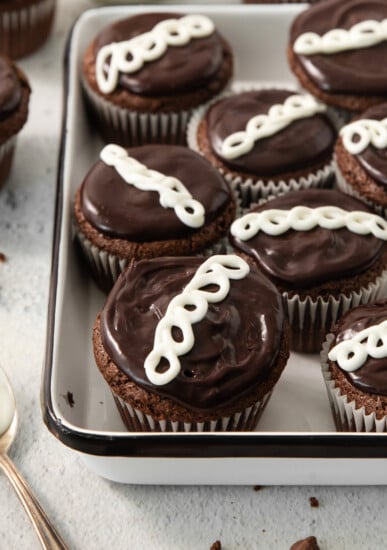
{"x":344,"y":186}
{"x":347,"y":417}
{"x":6,"y":156}
{"x":251,"y":190}
{"x":137,"y":421}
{"x":310,"y":319}
{"x":106,"y":267}
{"x":130,"y":128}
{"x":22,"y":30}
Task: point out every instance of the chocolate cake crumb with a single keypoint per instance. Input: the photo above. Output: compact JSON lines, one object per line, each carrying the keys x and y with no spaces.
{"x":310,"y":543}
{"x":257,"y":487}
{"x":69,"y":397}
{"x":3,"y":257}
{"x":314,"y":502}
{"x":216,"y":546}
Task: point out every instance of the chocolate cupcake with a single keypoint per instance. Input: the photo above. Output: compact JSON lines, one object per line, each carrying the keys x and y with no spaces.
{"x":354,"y":361}
{"x":326,"y":252}
{"x":188,"y":344}
{"x":338,"y":50}
{"x":14,"y":100}
{"x":24,"y":25}
{"x":149,"y":201}
{"x":361,"y":158}
{"x":266,"y":141}
{"x":149,"y":98}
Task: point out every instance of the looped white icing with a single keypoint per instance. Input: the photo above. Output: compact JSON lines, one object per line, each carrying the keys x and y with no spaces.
{"x":278,"y":117}
{"x":172,"y":192}
{"x":302,"y":218}
{"x":351,"y":354}
{"x":130,"y":55}
{"x":216,"y":270}
{"x":367,"y":131}
{"x":361,"y":35}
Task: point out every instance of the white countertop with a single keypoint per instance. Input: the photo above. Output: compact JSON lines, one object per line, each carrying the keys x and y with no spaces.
{"x":90,"y":512}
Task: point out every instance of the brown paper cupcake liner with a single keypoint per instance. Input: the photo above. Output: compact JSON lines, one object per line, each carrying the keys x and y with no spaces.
{"x":251,"y":190}
{"x":130,"y":128}
{"x":6,"y":157}
{"x":311,"y":319}
{"x":24,"y":29}
{"x":105,"y":267}
{"x":344,"y":186}
{"x":137,"y":421}
{"x":346,"y":416}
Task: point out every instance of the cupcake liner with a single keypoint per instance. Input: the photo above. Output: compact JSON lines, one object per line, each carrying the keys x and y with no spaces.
{"x":23,"y":30}
{"x":347,"y":417}
{"x":6,"y":156}
{"x":311,"y":319}
{"x":344,"y":186}
{"x":137,"y":421}
{"x":105,"y":267}
{"x":250,"y":190}
{"x":130,"y":128}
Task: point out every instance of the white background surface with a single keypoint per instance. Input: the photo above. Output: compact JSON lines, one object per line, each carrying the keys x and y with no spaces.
{"x":90,"y":512}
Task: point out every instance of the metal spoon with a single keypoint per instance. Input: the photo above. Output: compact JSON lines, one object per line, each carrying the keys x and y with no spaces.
{"x":48,"y":536}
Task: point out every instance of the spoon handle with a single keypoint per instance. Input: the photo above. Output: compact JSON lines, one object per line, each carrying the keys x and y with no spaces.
{"x":47,"y":534}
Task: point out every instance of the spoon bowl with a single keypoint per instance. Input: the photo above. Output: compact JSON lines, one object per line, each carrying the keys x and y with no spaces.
{"x":49,"y":538}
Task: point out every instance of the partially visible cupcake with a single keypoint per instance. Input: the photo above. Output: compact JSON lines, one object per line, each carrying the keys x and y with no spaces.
{"x":266,"y":141}
{"x":143,"y":75}
{"x":354,"y":361}
{"x":337,"y":50}
{"x":149,"y":201}
{"x":24,"y":25}
{"x":326,"y":252}
{"x":191,"y":344}
{"x":361,"y":158}
{"x":14,"y":99}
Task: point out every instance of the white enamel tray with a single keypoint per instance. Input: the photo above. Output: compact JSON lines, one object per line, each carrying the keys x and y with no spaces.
{"x":295,"y":442}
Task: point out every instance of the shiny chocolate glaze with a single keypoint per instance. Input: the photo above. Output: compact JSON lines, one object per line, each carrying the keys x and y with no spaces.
{"x":361,"y":71}
{"x":372,"y":376}
{"x":373,"y":160}
{"x":10,"y":89}
{"x":236,"y":344}
{"x":180,"y":69}
{"x":283,"y":152}
{"x":119,"y":209}
{"x":303,"y":259}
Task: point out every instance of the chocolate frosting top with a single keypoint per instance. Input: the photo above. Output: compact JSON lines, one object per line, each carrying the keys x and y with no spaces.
{"x":372,"y":159}
{"x":10,"y":89}
{"x":372,"y":376}
{"x":283,"y":152}
{"x":360,"y":71}
{"x":180,"y":69}
{"x":119,"y":209}
{"x":236,"y":344}
{"x":302,"y":259}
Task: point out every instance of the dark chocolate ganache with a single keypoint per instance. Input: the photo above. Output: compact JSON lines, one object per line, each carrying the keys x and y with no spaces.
{"x":180,"y":69}
{"x":10,"y":89}
{"x":372,"y":376}
{"x":119,"y":209}
{"x":236,"y":344}
{"x":305,"y":142}
{"x":303,"y":259}
{"x":359,"y":71}
{"x":372,"y":159}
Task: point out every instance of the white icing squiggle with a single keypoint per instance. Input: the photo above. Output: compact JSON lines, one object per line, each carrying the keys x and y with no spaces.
{"x":130,"y":55}
{"x":279,"y":116}
{"x":351,"y":354}
{"x":191,"y":307}
{"x":302,"y":218}
{"x":362,"y":35}
{"x":172,"y":192}
{"x":368,"y":131}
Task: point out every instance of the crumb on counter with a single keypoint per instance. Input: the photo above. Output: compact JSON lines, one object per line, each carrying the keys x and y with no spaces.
{"x":216,"y":546}
{"x":314,"y":502}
